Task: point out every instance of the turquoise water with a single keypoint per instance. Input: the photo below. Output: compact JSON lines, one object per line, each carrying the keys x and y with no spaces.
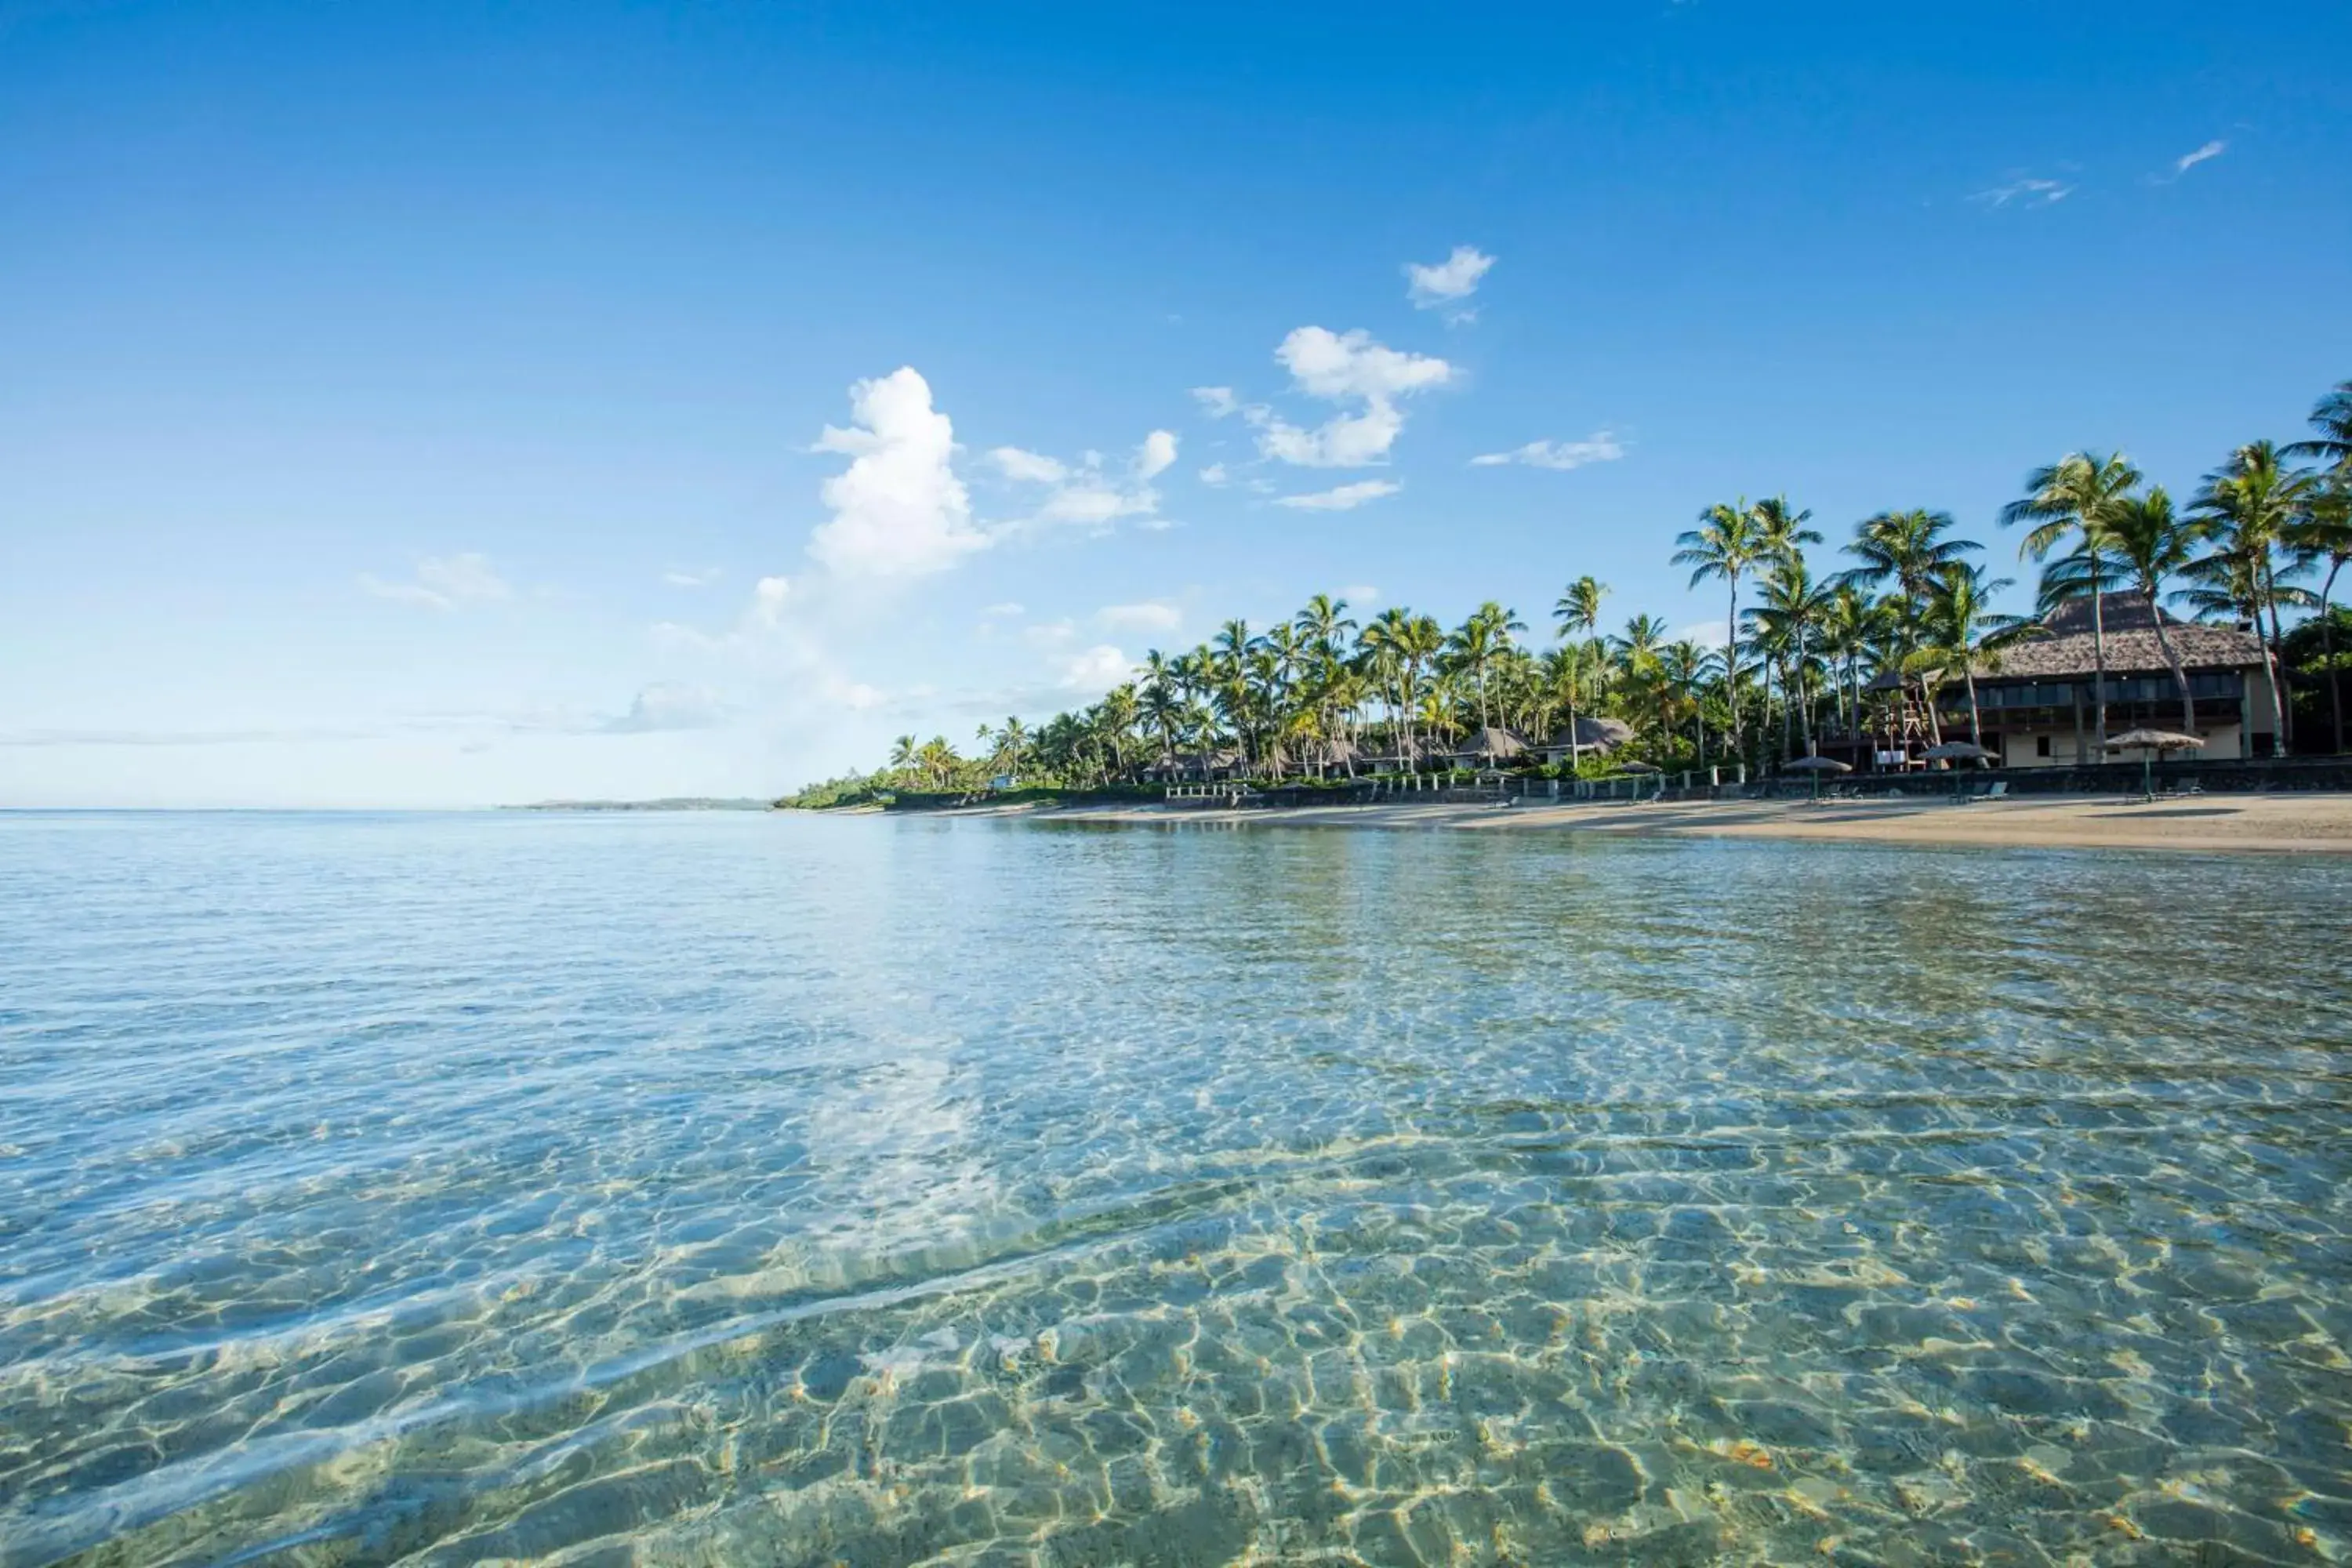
{"x":735,"y":1189}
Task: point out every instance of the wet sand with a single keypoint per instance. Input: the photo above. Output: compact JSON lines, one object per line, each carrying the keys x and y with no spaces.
{"x":2280,"y":824}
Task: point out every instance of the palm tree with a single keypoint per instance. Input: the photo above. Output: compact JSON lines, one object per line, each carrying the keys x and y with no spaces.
{"x":1476,"y":642}
{"x":906,"y":755}
{"x":1637,"y":650}
{"x":1686,"y":666}
{"x":2249,"y":507}
{"x":2324,"y":532}
{"x":1850,"y":622}
{"x":2072,"y":498}
{"x":1961,"y":629}
{"x":1790,"y":614}
{"x":1577,"y":611}
{"x":2152,"y":546}
{"x":2332,"y":417}
{"x":1727,"y":544}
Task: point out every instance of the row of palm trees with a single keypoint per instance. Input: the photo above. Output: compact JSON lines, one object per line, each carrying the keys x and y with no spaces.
{"x":1857,"y":650}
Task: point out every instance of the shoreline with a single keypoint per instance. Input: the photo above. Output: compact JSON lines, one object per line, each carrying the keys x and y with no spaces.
{"x":2318,"y":823}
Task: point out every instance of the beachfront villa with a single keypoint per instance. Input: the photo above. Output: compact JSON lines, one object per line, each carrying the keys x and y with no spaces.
{"x":2035,"y":701}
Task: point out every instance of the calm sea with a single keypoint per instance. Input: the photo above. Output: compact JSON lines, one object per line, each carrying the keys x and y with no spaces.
{"x":714,"y":1189}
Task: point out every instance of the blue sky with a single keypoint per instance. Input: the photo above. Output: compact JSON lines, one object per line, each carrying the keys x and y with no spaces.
{"x":430,"y":405}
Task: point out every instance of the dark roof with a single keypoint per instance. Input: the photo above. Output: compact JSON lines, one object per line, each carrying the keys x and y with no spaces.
{"x":2068,"y":650}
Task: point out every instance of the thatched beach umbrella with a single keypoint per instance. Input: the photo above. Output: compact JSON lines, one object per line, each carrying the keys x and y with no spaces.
{"x":1817,"y":766}
{"x":2148,"y":743}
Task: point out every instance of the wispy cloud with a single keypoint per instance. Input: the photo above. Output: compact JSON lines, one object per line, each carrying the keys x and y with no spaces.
{"x":2025,"y":191}
{"x":1444,"y":285}
{"x":444,"y":582}
{"x":676,"y":577}
{"x":1361,"y":596}
{"x":1601,"y":446}
{"x":668,"y":705}
{"x":1086,"y":493}
{"x":1214,"y":475}
{"x":1149,"y":617}
{"x":1346,"y":497}
{"x":2189,"y":160}
{"x":1216,"y":401}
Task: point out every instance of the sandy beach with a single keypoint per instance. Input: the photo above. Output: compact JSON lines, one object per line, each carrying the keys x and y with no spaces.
{"x":2279,"y":824}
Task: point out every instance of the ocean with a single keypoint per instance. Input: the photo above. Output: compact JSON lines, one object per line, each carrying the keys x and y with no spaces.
{"x":713,"y":1188}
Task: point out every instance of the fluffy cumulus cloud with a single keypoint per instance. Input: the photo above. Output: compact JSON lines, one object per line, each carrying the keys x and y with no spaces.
{"x":899,"y":509}
{"x":767,"y":596}
{"x":444,"y":582}
{"x":668,"y":705}
{"x":1027,"y":467}
{"x":1095,"y":670}
{"x":1346,"y":497}
{"x":1601,"y":446}
{"x":1444,"y":285}
{"x":1347,"y":368}
{"x":1214,"y":476}
{"x":1149,"y":617}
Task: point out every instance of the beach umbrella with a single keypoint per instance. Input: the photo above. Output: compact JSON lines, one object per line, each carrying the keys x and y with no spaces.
{"x":2148,"y":743}
{"x":1817,"y":766}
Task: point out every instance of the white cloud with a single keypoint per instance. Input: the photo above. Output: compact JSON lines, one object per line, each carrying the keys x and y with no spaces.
{"x":1149,"y":617}
{"x":1346,"y":497}
{"x":1344,"y":367}
{"x":1156,"y":453}
{"x":1336,"y":365}
{"x":678,"y":578}
{"x":668,"y":705}
{"x":2031,"y":193}
{"x":1048,"y":634}
{"x":1007,"y":609}
{"x":1216,"y":400}
{"x":1707,"y":634}
{"x":444,"y":582}
{"x":767,"y":596}
{"x":1602,"y":447}
{"x":1029,"y":467}
{"x":899,"y":509}
{"x":1082,"y":493}
{"x":2189,"y":160}
{"x":1097,"y":670}
{"x":1361,"y":596}
{"x":1214,"y":475}
{"x":1447,"y":283}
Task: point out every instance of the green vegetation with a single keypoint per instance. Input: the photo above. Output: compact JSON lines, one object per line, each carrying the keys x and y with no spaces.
{"x":1322,"y":696}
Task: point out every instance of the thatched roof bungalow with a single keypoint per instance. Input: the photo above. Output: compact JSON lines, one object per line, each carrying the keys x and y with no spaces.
{"x":1589,"y":734}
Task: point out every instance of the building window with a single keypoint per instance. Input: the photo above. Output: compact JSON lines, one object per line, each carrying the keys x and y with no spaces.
{"x":2040,"y":745}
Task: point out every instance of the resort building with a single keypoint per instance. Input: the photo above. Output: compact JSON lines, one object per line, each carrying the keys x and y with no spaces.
{"x":2035,"y":702}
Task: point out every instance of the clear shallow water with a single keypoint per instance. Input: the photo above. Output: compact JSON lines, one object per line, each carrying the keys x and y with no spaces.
{"x":721,"y":1189}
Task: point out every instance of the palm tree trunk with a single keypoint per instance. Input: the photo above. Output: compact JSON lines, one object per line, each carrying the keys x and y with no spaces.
{"x":1976,"y":723}
{"x":2285,"y":698}
{"x":2327,"y":651}
{"x":2172,"y":662}
{"x":1731,"y":667}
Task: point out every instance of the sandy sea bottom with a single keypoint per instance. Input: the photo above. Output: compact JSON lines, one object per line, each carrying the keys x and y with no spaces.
{"x":724,"y":1189}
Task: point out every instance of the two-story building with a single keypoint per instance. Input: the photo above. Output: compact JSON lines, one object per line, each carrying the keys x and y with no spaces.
{"x":2035,"y":702}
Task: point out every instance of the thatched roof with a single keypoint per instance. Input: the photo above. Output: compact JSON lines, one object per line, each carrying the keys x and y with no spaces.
{"x":1591,"y":735}
{"x":2067,"y":650}
{"x":1335,"y":751}
{"x":1493,"y":742}
{"x":2154,"y":740}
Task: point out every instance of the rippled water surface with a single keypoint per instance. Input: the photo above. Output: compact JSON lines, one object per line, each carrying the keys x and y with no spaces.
{"x":736,"y":1189}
